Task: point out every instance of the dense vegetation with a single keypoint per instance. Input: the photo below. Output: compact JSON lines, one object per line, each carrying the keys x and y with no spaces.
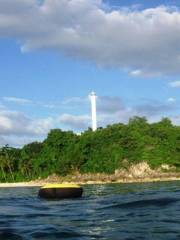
{"x":107,"y":149}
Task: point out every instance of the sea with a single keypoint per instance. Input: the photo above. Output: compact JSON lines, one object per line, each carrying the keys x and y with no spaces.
{"x":109,"y":211}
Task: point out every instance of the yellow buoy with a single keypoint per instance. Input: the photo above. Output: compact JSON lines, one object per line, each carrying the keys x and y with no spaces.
{"x":60,"y":191}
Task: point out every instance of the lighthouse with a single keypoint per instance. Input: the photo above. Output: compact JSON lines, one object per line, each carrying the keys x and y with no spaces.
{"x":93,"y":110}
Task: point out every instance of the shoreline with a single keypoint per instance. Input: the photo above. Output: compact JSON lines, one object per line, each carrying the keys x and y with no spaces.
{"x":89,"y":182}
{"x":139,"y":173}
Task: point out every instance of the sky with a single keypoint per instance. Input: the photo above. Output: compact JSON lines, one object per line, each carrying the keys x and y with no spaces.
{"x":53,"y":53}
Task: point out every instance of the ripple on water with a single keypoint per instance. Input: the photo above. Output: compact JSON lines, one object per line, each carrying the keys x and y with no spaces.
{"x":116,"y":211}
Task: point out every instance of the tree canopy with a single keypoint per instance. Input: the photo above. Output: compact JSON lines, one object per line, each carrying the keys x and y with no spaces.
{"x":103,"y":151}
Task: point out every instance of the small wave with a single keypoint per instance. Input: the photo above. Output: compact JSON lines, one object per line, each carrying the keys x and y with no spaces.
{"x":58,"y":235}
{"x":37,"y":207}
{"x":36,"y":215}
{"x":160,"y":202}
{"x":8,"y":233}
{"x":61,"y":235}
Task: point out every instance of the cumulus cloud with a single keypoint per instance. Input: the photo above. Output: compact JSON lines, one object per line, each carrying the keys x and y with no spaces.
{"x":113,"y":110}
{"x":76,"y":122}
{"x":15,"y":125}
{"x":114,"y":106}
{"x":17,"y":129}
{"x":121,"y":116}
{"x":153,"y":109}
{"x":107,"y":104}
{"x":109,"y":110}
{"x":141,"y":42}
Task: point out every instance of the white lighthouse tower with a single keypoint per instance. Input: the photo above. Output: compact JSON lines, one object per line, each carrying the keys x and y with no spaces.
{"x":93,"y":109}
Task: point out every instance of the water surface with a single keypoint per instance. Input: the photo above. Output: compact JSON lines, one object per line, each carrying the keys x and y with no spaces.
{"x":112,"y":211}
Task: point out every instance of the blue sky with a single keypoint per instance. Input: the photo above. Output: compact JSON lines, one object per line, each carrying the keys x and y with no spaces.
{"x":54,"y":54}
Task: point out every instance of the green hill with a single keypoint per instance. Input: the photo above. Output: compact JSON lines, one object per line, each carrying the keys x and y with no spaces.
{"x":114,"y":147}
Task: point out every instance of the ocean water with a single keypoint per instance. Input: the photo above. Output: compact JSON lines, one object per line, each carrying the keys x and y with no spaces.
{"x":112,"y":211}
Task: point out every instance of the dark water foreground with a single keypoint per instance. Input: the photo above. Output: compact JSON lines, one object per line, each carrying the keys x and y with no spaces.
{"x":116,"y":211}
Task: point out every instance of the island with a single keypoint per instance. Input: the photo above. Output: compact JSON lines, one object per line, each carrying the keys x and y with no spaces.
{"x":138,"y":151}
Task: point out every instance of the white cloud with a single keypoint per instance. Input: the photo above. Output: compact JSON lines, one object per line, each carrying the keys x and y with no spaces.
{"x":17,"y":100}
{"x":171,"y":100}
{"x":136,"y":73}
{"x":176,"y":120}
{"x":49,"y":105}
{"x":80,"y":122}
{"x":109,"y":105}
{"x":17,"y":129}
{"x":151,"y":109}
{"x":122,"y":116}
{"x":75,"y":100}
{"x":175,"y":84}
{"x":42,"y":126}
{"x":14,"y":125}
{"x":2,"y":106}
{"x":138,"y":41}
{"x":23,"y":101}
{"x":112,"y":110}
